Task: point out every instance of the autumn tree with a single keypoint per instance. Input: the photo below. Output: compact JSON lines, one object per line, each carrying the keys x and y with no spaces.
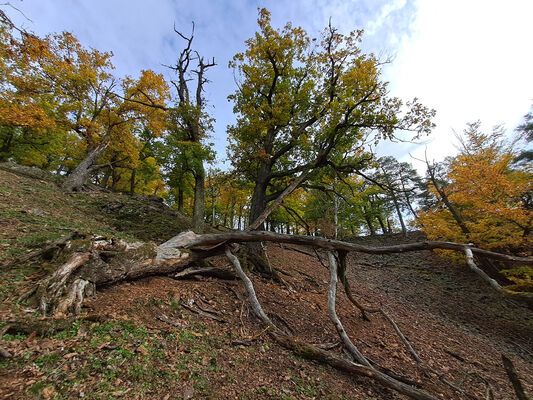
{"x":55,"y":88}
{"x":303,"y":105}
{"x":29,"y":129}
{"x":487,"y":200}
{"x":190,"y":123}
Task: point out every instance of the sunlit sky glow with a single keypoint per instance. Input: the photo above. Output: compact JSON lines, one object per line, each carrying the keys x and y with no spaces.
{"x":469,"y":60}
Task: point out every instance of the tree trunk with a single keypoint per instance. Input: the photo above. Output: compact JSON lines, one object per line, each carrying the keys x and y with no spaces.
{"x":132,"y":180}
{"x":105,"y":179}
{"x":259,"y":203}
{"x":180,"y":199}
{"x":451,"y":208}
{"x":381,"y":224}
{"x":399,"y":212}
{"x":83,"y":171}
{"x":369,"y":222}
{"x":199,"y":207}
{"x":5,"y":150}
{"x":95,"y":262}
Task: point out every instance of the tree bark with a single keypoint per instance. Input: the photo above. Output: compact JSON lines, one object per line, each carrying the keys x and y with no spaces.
{"x":84,"y":169}
{"x":132,"y":180}
{"x":95,"y":262}
{"x":444,"y":197}
{"x":199,"y":200}
{"x":399,"y":212}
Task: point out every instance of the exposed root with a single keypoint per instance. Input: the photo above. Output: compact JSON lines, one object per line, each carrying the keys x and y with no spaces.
{"x":314,"y":353}
{"x":332,"y":294}
{"x":513,"y":378}
{"x":405,"y":341}
{"x":50,"y":292}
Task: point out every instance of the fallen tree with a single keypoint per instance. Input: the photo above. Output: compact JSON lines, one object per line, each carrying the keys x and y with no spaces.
{"x":90,"y":263}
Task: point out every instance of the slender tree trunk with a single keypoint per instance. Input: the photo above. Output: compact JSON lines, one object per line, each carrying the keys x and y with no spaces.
{"x":336,"y":214}
{"x":105,"y":179}
{"x":410,"y":206}
{"x":198,"y":211}
{"x":369,"y":222}
{"x":399,"y":212}
{"x":132,"y":180}
{"x":83,"y":171}
{"x":213,"y":210}
{"x":381,"y":224}
{"x":444,"y":197}
{"x":116,"y":178}
{"x":231,"y":214}
{"x":180,"y":199}
{"x":6,"y":147}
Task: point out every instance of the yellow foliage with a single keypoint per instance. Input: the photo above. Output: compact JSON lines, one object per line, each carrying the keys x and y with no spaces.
{"x":490,"y":195}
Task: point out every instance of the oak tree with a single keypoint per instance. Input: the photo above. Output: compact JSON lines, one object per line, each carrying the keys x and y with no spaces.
{"x":304,"y":104}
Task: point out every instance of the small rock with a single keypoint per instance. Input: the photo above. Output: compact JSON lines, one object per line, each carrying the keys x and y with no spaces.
{"x":4,"y":353}
{"x":188,"y":392}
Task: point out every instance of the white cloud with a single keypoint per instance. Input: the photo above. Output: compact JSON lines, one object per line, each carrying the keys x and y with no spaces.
{"x":469,"y":60}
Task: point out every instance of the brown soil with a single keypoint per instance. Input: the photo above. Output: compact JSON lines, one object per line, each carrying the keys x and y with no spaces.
{"x":457,"y":326}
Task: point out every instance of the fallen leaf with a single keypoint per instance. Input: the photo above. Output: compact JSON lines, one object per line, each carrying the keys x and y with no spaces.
{"x":49,"y":393}
{"x":142,"y":350}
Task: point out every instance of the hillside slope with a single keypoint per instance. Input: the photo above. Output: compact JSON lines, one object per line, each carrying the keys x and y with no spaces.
{"x":156,"y":338}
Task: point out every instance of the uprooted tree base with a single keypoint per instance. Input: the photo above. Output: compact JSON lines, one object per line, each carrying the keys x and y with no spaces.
{"x":89,"y":263}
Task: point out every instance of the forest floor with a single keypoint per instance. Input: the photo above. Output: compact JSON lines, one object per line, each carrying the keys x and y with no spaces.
{"x":148,"y":339}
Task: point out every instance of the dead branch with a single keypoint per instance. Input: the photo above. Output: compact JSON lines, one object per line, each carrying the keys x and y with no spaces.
{"x":470,"y":261}
{"x":195,"y":241}
{"x":405,"y":341}
{"x":332,"y":294}
{"x":312,"y":352}
{"x":205,"y":271}
{"x":513,"y":378}
{"x":206,"y":314}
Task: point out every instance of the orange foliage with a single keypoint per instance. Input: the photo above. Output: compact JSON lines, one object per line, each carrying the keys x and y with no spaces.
{"x":492,"y":195}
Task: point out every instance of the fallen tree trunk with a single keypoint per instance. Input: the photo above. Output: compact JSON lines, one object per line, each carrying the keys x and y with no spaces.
{"x":102,"y":262}
{"x":90,"y":263}
{"x":314,"y":353}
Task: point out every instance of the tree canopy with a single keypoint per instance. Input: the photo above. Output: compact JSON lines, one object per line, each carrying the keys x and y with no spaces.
{"x":304,"y":104}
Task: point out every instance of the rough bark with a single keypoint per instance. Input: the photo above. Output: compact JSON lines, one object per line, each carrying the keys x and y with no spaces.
{"x":92,"y":263}
{"x":84,"y":169}
{"x":199,"y":201}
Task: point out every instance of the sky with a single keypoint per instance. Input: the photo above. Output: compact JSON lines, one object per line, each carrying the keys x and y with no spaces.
{"x":469,"y":60}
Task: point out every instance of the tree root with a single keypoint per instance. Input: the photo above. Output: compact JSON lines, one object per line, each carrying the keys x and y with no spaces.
{"x":314,"y":353}
{"x":513,"y":378}
{"x":405,"y":341}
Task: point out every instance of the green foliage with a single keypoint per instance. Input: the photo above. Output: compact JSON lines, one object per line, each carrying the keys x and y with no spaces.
{"x":304,"y":105}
